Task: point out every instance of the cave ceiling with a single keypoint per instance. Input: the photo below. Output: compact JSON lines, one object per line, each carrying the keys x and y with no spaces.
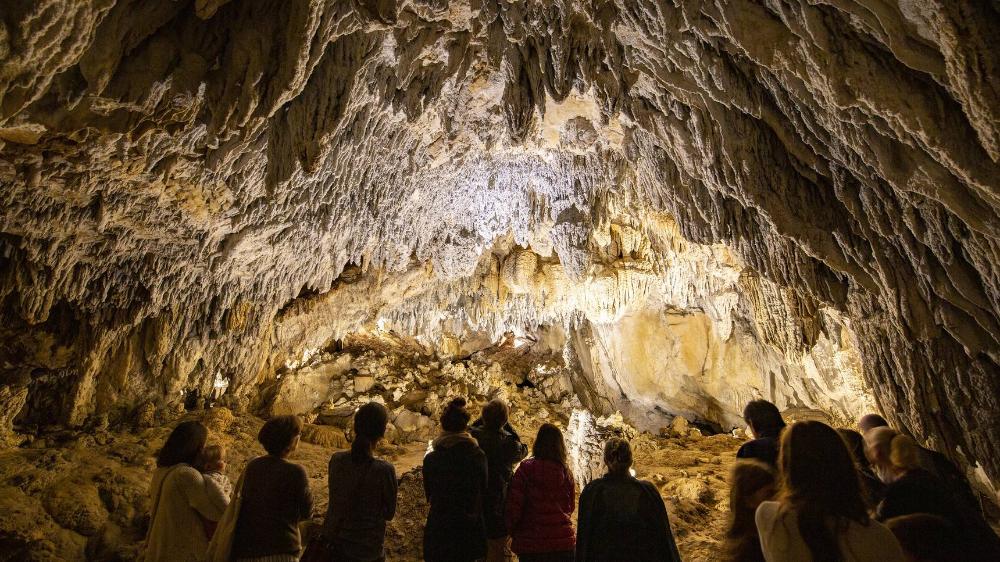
{"x":175,"y":174}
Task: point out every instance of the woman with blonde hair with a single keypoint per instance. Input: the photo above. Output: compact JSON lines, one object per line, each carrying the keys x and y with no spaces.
{"x":915,"y":490}
{"x":820,"y":514}
{"x":751,"y":483}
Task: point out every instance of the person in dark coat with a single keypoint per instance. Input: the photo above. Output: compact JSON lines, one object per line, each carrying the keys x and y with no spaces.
{"x":276,"y":496}
{"x":916,"y":490}
{"x":621,"y":517}
{"x":503,"y":450}
{"x":455,"y":482}
{"x":541,"y":501}
{"x":766,"y":424}
{"x":363,"y":492}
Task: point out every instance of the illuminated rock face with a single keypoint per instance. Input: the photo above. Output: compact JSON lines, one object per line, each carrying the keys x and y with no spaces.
{"x":195,"y":194}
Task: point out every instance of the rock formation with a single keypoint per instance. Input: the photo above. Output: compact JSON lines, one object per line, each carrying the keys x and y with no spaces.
{"x":195,"y":196}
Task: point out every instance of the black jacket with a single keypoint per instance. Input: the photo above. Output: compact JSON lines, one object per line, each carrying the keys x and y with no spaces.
{"x":455,"y":477}
{"x":764,"y":448}
{"x":622,"y":518}
{"x":503,"y":450}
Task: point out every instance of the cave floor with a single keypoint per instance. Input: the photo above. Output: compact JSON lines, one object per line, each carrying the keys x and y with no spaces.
{"x":76,"y":496}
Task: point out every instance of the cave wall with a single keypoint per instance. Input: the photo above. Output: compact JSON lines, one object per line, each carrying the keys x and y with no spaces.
{"x":175,"y":174}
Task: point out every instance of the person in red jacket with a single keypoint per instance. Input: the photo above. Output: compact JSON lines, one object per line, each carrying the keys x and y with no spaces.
{"x":541,"y":500}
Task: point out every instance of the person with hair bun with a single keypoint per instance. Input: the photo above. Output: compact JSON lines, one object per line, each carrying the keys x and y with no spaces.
{"x":621,"y":517}
{"x":276,"y":497}
{"x":181,"y":498}
{"x":455,"y":482}
{"x":363,"y":492}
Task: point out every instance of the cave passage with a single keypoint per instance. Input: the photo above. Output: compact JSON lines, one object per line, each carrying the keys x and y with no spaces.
{"x":627,"y":216}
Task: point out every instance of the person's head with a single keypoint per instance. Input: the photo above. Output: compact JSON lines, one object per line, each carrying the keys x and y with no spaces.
{"x":924,"y":537}
{"x":871,"y":421}
{"x":878,"y":446}
{"x":763,"y":418}
{"x":549,"y":444}
{"x":212,"y":458}
{"x":904,"y":453}
{"x":370,"y":422}
{"x":183,"y":445}
{"x":820,"y":482}
{"x":855,"y":444}
{"x":750,"y":483}
{"x":495,"y":414}
{"x":617,"y":455}
{"x":455,"y":417}
{"x":280,"y":435}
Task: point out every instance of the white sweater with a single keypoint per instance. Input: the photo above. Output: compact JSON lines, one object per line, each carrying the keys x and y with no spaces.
{"x":177,"y":533}
{"x":781,"y":542}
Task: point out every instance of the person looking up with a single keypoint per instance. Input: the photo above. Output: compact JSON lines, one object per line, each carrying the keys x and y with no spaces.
{"x":275,"y":496}
{"x":878,"y":443}
{"x":820,"y":514}
{"x":765,"y":424}
{"x":871,"y":486}
{"x":181,"y":498}
{"x":751,"y":482}
{"x":541,"y":501}
{"x":503,"y":450}
{"x":455,"y":482}
{"x":621,"y":517}
{"x":212,"y":463}
{"x":363,"y":492}
{"x":915,"y":490}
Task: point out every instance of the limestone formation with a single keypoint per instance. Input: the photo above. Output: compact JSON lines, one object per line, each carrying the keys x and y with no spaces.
{"x":794,"y":200}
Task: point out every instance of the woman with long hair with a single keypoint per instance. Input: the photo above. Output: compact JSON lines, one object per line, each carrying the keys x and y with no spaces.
{"x":751,"y":483}
{"x":455,"y":482}
{"x":540,"y":502}
{"x":820,"y":514}
{"x":362,"y":492}
{"x":181,"y":498}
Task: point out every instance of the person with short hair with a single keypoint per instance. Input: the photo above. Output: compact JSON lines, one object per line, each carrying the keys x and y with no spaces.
{"x":751,"y":482}
{"x":455,"y":482}
{"x":541,"y":501}
{"x":181,"y":499}
{"x":503,"y":448}
{"x":868,"y":422}
{"x":766,"y":425}
{"x":820,"y":514}
{"x":275,"y":496}
{"x":363,"y":492}
{"x":622,"y":517}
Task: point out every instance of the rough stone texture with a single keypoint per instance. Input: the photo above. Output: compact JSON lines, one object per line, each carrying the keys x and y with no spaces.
{"x":180,"y":177}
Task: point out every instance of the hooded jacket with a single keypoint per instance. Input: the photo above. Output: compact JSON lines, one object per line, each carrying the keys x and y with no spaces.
{"x":539,"y":508}
{"x":455,"y":478}
{"x":503,"y":450}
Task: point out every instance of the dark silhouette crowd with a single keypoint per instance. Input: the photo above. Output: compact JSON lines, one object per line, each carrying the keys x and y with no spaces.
{"x":798,"y":493}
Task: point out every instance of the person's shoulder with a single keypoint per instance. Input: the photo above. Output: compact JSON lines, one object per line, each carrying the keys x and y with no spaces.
{"x":648,"y":486}
{"x":766,"y":512}
{"x":878,"y":537}
{"x":183,"y":474}
{"x":384,"y":466}
{"x":340,"y":457}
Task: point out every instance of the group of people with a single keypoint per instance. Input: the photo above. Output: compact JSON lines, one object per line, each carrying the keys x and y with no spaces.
{"x":487,"y":501}
{"x":798,"y":493}
{"x":811,"y":492}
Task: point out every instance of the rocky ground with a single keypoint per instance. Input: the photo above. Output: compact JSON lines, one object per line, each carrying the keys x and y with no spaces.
{"x":74,"y":495}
